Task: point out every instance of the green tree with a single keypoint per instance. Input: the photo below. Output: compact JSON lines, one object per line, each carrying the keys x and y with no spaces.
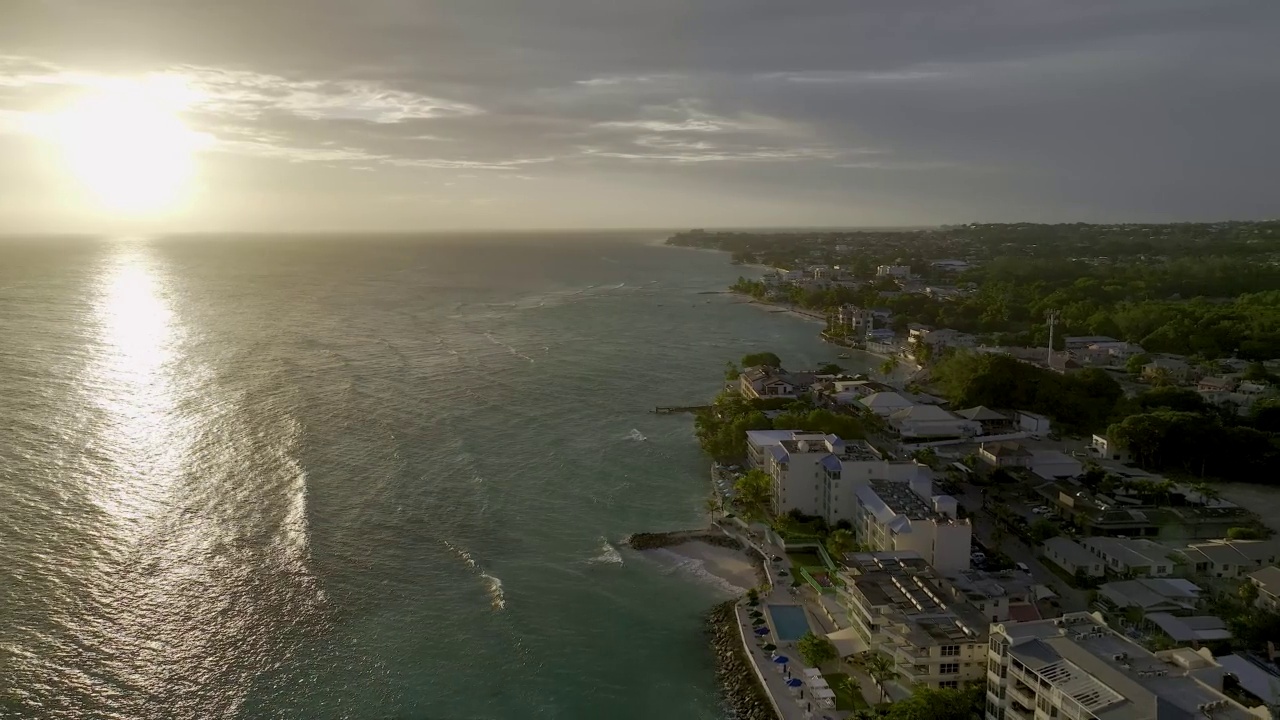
{"x":881,"y":668}
{"x":761,"y":358}
{"x":839,"y":542}
{"x":1042,"y":530}
{"x":1245,"y":533}
{"x":816,"y":651}
{"x":1248,"y":593}
{"x":754,"y":492}
{"x":731,"y":371}
{"x":928,"y":703}
{"x":889,"y":365}
{"x":1134,"y":364}
{"x":830,"y":369}
{"x":1257,"y":372}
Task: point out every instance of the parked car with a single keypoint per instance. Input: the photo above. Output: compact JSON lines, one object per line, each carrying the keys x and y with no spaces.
{"x":1023,"y":567}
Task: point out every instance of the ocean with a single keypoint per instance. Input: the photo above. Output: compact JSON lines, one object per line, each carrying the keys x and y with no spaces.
{"x":359,"y":477}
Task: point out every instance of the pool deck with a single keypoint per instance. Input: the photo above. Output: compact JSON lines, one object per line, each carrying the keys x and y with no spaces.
{"x":789,"y":704}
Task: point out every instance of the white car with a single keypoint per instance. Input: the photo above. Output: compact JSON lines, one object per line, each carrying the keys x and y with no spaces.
{"x":1038,"y":511}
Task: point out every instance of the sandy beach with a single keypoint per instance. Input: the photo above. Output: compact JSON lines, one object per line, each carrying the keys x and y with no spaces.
{"x":731,"y":570}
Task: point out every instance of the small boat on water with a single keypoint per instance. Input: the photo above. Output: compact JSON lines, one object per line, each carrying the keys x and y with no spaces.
{"x":843,"y":356}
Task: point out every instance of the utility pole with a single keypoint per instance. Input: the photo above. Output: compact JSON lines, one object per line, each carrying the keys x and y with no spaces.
{"x":1052,"y":317}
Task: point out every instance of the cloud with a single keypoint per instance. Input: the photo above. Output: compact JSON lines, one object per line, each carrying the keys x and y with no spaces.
{"x":855,"y":76}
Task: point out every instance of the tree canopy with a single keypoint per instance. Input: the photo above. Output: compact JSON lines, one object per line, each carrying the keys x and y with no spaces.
{"x":761,"y":358}
{"x":1082,"y":401}
{"x":816,"y":651}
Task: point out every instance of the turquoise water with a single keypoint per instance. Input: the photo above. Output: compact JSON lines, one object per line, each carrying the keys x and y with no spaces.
{"x":358,"y":477}
{"x":789,"y":620}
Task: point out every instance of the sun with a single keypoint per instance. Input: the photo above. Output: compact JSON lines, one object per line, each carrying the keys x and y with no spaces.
{"x":125,"y":142}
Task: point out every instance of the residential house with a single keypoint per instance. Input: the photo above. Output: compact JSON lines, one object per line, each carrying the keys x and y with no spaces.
{"x":992,"y":422}
{"x":1051,"y":465}
{"x":1176,"y":370}
{"x":1135,"y":557}
{"x":1191,"y":630}
{"x":998,"y":596}
{"x":762,"y":381}
{"x":941,"y":338}
{"x":1150,"y":595}
{"x":1080,"y":342}
{"x":1077,"y":667}
{"x":885,"y":404}
{"x":1215,"y":385}
{"x":1005,"y":454}
{"x":931,"y":421}
{"x":1120,"y":352}
{"x":1268,"y":581}
{"x":1229,"y":558}
{"x":1106,"y":449}
{"x":951,"y":266}
{"x":1070,"y":556}
{"x":898,"y":605}
{"x":907,"y":516}
{"x":1257,"y":676}
{"x":1033,"y":423}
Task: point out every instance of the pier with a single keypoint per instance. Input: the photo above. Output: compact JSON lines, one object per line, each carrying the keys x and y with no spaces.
{"x":668,"y":410}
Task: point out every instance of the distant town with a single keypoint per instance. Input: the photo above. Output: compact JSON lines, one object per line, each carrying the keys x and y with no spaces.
{"x":1020,"y":514}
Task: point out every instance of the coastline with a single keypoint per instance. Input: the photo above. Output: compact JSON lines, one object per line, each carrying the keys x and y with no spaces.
{"x":731,"y":565}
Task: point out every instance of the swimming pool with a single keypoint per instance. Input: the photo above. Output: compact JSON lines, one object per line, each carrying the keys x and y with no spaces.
{"x":789,"y":620}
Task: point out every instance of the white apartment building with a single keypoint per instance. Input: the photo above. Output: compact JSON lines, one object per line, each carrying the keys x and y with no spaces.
{"x":817,"y":474}
{"x":855,"y":320}
{"x":898,"y":605}
{"x":894,"y":271}
{"x":1076,"y":667}
{"x":899,"y":516}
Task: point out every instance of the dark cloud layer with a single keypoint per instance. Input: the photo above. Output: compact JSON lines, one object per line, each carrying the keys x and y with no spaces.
{"x":431,"y":113}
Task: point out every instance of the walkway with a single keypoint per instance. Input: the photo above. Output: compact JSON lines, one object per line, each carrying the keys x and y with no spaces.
{"x":794,"y":704}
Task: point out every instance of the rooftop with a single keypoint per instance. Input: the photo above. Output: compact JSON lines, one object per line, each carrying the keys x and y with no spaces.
{"x":1198,"y":628}
{"x":902,"y":500}
{"x":1115,"y":679}
{"x":1268,"y":579}
{"x":912,"y":597}
{"x":1005,"y":449}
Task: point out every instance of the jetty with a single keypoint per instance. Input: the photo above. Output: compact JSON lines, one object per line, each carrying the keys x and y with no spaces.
{"x":671,"y":409}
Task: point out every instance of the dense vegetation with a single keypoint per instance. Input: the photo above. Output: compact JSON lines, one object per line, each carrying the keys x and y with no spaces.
{"x":1200,"y":290}
{"x":1166,"y":429}
{"x":1080,"y":402}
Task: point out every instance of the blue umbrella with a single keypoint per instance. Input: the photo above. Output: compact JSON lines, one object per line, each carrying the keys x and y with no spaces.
{"x":794,"y":682}
{"x":782,"y":659}
{"x":762,"y":631}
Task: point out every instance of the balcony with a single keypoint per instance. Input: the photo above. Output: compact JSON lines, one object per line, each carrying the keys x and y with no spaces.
{"x":1022,"y":693}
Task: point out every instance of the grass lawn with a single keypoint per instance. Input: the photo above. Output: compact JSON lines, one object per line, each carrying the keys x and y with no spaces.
{"x":804,"y":559}
{"x":846,"y":700}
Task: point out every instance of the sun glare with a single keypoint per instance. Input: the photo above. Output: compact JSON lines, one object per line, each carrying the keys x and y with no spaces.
{"x":125,"y":142}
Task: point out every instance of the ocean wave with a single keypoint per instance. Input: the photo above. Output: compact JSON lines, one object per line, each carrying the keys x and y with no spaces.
{"x":636,"y":435}
{"x":609,"y":554}
{"x":679,"y":564}
{"x":496,"y":594}
{"x":492,"y":584}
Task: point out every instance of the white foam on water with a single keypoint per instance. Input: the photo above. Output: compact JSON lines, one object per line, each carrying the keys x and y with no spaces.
{"x":463,"y":554}
{"x":609,"y":554}
{"x":497,"y":596}
{"x":636,"y":435}
{"x":697,"y":569}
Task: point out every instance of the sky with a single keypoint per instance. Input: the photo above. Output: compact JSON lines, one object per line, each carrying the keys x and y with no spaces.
{"x":444,"y":114}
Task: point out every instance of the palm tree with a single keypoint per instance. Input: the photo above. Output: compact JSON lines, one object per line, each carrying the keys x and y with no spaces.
{"x":841,"y":541}
{"x":1165,"y":490}
{"x":1206,"y":492}
{"x":881,"y":668}
{"x":888,"y":366}
{"x":714,"y":505}
{"x":1160,"y":377}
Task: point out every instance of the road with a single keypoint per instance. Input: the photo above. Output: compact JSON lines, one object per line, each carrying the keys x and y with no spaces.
{"x":1071,"y":599}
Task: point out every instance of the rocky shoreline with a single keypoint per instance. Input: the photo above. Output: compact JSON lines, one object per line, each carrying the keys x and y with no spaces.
{"x":653,"y":541}
{"x":741,"y":688}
